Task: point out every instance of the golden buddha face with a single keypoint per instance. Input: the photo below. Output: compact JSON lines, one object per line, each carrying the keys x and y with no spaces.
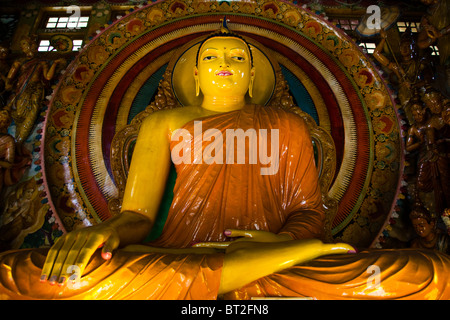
{"x":224,"y":67}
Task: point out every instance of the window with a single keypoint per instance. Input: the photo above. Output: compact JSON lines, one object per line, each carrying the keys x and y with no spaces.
{"x":45,"y":46}
{"x":67,"y":22}
{"x":435,"y":50}
{"x":77,"y":45}
{"x":65,"y":27}
{"x":369,"y":47}
{"x":403,"y":25}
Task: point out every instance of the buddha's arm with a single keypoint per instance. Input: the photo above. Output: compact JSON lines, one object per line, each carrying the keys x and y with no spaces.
{"x":149,"y":168}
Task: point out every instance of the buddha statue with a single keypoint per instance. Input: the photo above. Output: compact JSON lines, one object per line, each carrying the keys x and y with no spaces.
{"x":234,"y":230}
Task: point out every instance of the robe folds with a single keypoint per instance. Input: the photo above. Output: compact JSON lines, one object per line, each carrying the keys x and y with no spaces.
{"x":211,"y":196}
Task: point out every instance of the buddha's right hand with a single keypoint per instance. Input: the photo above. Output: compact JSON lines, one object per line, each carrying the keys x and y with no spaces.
{"x":75,"y":249}
{"x":72,"y":251}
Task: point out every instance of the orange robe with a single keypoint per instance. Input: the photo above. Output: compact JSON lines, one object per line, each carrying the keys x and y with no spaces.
{"x":209,"y":198}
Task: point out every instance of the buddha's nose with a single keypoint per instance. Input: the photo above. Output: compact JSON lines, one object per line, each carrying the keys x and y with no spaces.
{"x":224,"y":63}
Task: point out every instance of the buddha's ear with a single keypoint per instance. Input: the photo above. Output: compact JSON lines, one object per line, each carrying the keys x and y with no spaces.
{"x":252,"y":79}
{"x":197,"y":85}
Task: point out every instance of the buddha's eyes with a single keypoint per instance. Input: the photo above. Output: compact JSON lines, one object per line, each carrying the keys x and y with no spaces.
{"x":235,"y":55}
{"x":208,"y":58}
{"x":238,"y":58}
{"x":212,"y":57}
{"x":238,"y":55}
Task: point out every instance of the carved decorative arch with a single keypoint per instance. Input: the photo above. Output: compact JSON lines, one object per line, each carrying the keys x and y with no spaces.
{"x":116,"y":76}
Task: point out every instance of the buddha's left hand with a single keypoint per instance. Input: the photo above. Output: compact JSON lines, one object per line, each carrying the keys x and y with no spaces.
{"x":245,"y":235}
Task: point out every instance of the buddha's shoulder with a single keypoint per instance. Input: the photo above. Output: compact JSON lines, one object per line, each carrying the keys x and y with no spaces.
{"x":283,"y":115}
{"x":174,"y":118}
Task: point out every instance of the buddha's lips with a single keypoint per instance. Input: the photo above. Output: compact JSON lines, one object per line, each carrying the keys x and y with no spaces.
{"x":224,"y":73}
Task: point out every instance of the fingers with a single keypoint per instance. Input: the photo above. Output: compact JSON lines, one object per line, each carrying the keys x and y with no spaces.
{"x":78,"y":257}
{"x":232,"y":233}
{"x":214,"y":245}
{"x":341,"y":247}
{"x":51,"y":257}
{"x":239,"y":233}
{"x":56,"y":260}
{"x":72,"y":253}
{"x":344,"y":247}
{"x":242,"y":235}
{"x":110,"y":245}
{"x":255,"y":235}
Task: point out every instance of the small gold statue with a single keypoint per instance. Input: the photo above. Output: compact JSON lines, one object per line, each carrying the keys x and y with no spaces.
{"x":13,"y":160}
{"x":430,"y":237}
{"x":434,"y":162}
{"x":412,"y":71}
{"x":20,"y":213}
{"x":416,"y":132}
{"x":28,"y":78}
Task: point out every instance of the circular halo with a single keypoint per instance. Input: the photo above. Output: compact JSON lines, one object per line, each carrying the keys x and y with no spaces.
{"x":360,"y":109}
{"x":184,"y":85}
